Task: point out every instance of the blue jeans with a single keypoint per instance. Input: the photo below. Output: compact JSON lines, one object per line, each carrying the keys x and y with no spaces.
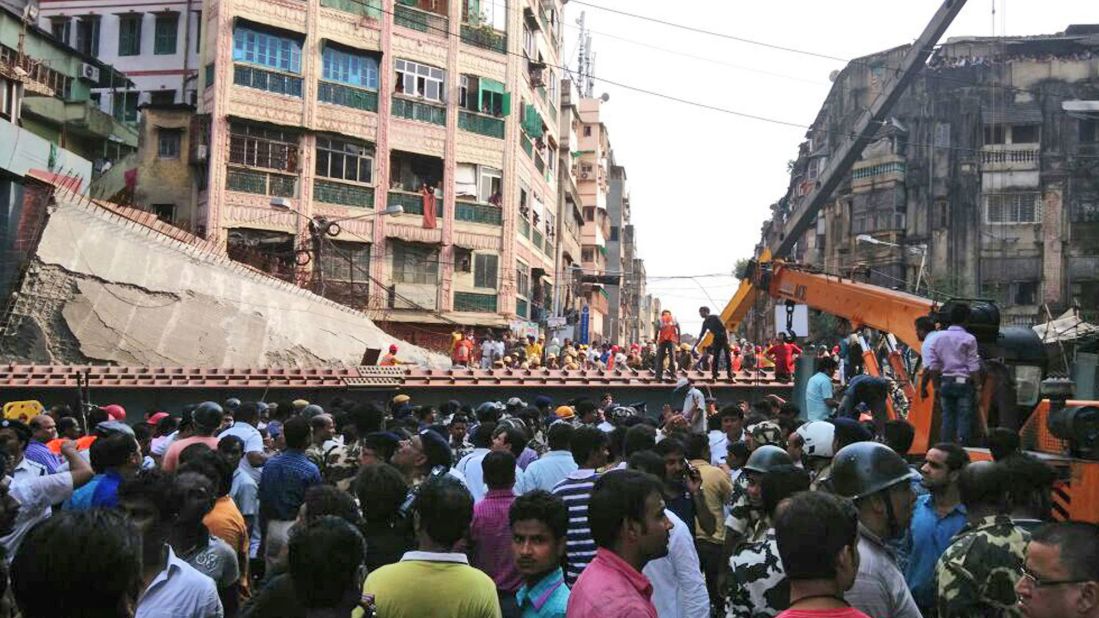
{"x":956,"y":401}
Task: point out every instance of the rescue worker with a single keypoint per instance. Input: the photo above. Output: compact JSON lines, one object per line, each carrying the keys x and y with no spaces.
{"x":879,"y":482}
{"x":390,"y":359}
{"x":976,"y":575}
{"x":817,"y":450}
{"x":667,"y":339}
{"x":719,"y":344}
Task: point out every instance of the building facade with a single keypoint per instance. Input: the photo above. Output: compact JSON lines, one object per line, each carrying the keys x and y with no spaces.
{"x":983,"y":183}
{"x":592,"y":171}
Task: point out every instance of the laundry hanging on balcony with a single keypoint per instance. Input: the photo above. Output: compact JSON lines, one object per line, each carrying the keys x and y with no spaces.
{"x":429,"y":207}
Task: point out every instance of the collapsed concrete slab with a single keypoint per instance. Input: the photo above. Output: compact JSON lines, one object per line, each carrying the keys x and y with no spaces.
{"x":103,"y":287}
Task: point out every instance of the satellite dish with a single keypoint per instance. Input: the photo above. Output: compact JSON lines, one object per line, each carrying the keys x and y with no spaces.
{"x":833,"y":75}
{"x":604,"y":97}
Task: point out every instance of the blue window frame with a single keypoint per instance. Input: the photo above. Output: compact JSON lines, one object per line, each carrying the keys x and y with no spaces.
{"x":350,"y":68}
{"x":269,"y":50}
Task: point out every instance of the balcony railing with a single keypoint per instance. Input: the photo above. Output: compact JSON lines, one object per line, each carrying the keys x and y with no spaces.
{"x":262,"y":183}
{"x":539,"y":164}
{"x":524,"y":227}
{"x":412,"y":203}
{"x":1011,"y":156}
{"x":479,"y":303}
{"x":485,"y":38}
{"x":528,"y":147}
{"x":262,"y":79}
{"x":347,"y":96}
{"x":481,"y":124}
{"x":355,"y":196}
{"x":892,"y":167}
{"x":478,"y":213}
{"x":422,"y":21}
{"x":419,"y":111}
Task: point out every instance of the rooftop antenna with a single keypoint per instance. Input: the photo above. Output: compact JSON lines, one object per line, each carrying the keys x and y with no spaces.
{"x":586,"y":60}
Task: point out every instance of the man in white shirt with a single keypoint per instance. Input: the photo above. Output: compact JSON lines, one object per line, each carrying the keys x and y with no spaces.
{"x":694,"y":405}
{"x":36,"y":495}
{"x":470,"y":465}
{"x":244,"y":427}
{"x":732,"y":430}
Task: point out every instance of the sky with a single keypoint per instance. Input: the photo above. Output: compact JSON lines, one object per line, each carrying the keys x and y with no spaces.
{"x":701,"y":181}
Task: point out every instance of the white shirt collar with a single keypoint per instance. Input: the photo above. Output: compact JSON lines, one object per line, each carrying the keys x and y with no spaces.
{"x":434,"y":556}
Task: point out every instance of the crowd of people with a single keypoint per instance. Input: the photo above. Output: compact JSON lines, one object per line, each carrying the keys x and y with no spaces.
{"x":583,"y":508}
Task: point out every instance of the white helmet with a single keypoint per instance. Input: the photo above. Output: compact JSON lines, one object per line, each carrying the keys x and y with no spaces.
{"x":818,"y":436}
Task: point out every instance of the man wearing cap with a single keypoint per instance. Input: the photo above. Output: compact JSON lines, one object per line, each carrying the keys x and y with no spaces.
{"x":37,"y":494}
{"x":206,"y":419}
{"x":879,"y":482}
{"x":43,"y":429}
{"x":694,"y":405}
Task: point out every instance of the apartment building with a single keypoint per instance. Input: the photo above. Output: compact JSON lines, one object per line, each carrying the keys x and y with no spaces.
{"x":982,"y":184}
{"x":592,"y":169}
{"x":155,"y":44}
{"x":400,"y":157}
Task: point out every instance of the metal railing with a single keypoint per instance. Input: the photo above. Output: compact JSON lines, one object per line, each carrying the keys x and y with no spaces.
{"x":481,"y":124}
{"x":262,"y":79}
{"x":412,"y":203}
{"x":485,"y":38}
{"x":478,"y":213}
{"x":419,"y":111}
{"x":347,"y":96}
{"x":478,"y":303}
{"x":1006,"y":154}
{"x":421,"y":21}
{"x":262,"y":183}
{"x":331,"y":192}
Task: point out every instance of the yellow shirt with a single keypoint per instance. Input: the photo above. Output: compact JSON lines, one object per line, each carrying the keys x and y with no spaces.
{"x":534,"y":350}
{"x":716,"y":490}
{"x":431,"y":584}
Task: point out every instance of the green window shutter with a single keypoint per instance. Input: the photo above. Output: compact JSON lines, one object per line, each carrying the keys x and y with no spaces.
{"x":507,"y":104}
{"x":474,"y":13}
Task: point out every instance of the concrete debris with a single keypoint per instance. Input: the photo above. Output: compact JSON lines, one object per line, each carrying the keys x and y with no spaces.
{"x":102,"y":289}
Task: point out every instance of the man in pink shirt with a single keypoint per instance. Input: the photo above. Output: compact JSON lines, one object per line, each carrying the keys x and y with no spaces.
{"x":206,"y":419}
{"x":490,"y":532}
{"x":628,"y":524}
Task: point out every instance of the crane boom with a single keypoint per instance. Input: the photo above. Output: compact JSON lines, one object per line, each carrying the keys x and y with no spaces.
{"x":846,"y":156}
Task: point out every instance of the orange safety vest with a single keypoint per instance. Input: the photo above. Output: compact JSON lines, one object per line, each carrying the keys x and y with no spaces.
{"x":668,"y":330}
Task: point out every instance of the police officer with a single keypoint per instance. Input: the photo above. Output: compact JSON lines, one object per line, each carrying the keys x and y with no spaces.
{"x":817,"y":448}
{"x":976,"y":575}
{"x":879,"y":482}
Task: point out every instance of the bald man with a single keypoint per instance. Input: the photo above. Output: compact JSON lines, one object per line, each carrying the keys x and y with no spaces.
{"x":43,"y":429}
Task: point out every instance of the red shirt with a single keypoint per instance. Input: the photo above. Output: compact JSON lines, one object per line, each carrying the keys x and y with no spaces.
{"x":668,"y":328}
{"x":842,"y":612}
{"x":610,"y":588}
{"x":783,"y":354}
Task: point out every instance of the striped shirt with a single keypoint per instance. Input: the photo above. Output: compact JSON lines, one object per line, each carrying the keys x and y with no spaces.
{"x":576,"y":490}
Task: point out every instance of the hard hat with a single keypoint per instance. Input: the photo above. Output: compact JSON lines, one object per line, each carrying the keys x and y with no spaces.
{"x":865,"y":468}
{"x":393,"y":349}
{"x":619,"y":414}
{"x":564,"y":412}
{"x":818,"y":436}
{"x":767,"y":457}
{"x":766,"y":432}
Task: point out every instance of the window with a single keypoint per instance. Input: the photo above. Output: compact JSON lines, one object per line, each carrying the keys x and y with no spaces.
{"x":522,"y":279}
{"x":942,"y":211}
{"x":346,"y":261}
{"x":165,"y":212}
{"x":589,"y":213}
{"x":258,"y":47}
{"x":1008,"y":208}
{"x":60,"y":26}
{"x":995,"y":134}
{"x":165,"y":33}
{"x":530,"y":46}
{"x":587,"y":131}
{"x":344,"y":160}
{"x":9,"y":92}
{"x":262,"y":147}
{"x":168,"y":141}
{"x":1024,"y":134}
{"x":485,"y":269}
{"x":1023,"y":293}
{"x":1089,"y":131}
{"x":125,"y":106}
{"x":614,"y":233}
{"x":198,"y":31}
{"x":491,"y":187}
{"x":87,"y":35}
{"x":420,"y":80}
{"x":587,"y":255}
{"x":415,"y":263}
{"x":463,"y":260}
{"x":129,"y":34}
{"x":162,"y":97}
{"x":350,"y":68}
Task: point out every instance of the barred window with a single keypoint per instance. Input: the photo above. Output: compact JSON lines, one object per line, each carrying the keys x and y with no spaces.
{"x":256,"y":146}
{"x":344,"y":160}
{"x":414,"y":263}
{"x":346,"y":261}
{"x":1012,"y":208}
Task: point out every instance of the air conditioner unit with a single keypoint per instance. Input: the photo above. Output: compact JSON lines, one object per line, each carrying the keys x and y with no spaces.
{"x":89,"y":72}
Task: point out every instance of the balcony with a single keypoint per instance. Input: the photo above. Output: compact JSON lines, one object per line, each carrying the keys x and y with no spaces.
{"x":421,"y":21}
{"x":481,"y":124}
{"x":1010,"y":157}
{"x":868,"y":173}
{"x":476,"y":303}
{"x":412,"y":203}
{"x":260,"y":182}
{"x":263,"y":79}
{"x":419,"y":111}
{"x":347,"y":96}
{"x":485,"y":38}
{"x":478,"y":213}
{"x":355,"y":196}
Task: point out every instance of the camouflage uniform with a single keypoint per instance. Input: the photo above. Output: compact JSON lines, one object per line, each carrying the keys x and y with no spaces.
{"x":319,"y":453}
{"x":745,"y":519}
{"x":976,"y":575}
{"x":821,"y":479}
{"x":767,"y":432}
{"x":342,"y":464}
{"x":758,"y":587}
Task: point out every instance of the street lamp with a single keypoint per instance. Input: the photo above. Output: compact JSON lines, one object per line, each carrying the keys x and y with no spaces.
{"x":921,"y":249}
